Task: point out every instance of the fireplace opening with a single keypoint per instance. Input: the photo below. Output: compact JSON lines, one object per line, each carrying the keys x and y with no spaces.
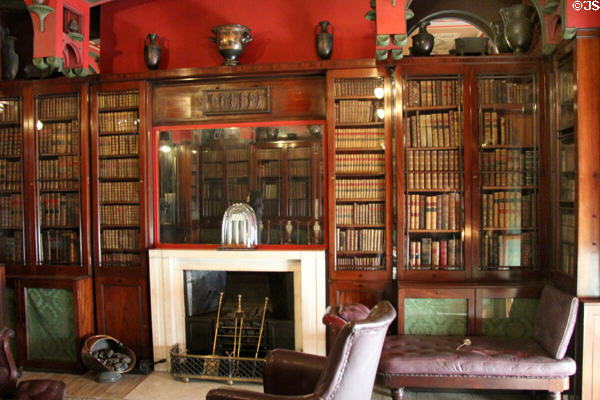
{"x":202,"y":292}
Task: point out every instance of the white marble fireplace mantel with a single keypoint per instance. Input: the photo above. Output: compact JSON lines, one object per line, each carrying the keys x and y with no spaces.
{"x":167,"y":297}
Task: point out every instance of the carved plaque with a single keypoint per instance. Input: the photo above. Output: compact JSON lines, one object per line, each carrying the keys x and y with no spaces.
{"x":236,"y":101}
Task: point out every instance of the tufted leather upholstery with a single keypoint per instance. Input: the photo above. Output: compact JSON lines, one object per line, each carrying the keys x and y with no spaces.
{"x":41,"y":389}
{"x":486,"y":356}
{"x":348,"y":372}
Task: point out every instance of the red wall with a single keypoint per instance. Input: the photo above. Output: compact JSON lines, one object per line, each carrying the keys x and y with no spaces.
{"x":283,"y":31}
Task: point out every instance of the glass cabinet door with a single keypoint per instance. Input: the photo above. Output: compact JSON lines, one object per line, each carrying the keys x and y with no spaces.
{"x":58,"y":179}
{"x":508,"y":166}
{"x":11,"y":182}
{"x":434,"y":171}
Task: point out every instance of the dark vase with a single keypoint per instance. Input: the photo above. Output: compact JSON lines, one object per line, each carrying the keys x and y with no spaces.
{"x":422,"y":41}
{"x":324,"y":39}
{"x":518,"y":26}
{"x":10,"y":58}
{"x":152,"y":50}
{"x":499,"y":38}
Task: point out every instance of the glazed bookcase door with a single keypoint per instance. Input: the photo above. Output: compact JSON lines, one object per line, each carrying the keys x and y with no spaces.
{"x":433,"y":177}
{"x":508,"y":194}
{"x":566,"y":148}
{"x":118,"y":180}
{"x":360,"y":175}
{"x":11,"y":182}
{"x":61,"y":177}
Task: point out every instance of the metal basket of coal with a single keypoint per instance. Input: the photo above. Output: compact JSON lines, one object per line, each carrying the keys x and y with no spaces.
{"x":214,"y":367}
{"x":108,"y":357}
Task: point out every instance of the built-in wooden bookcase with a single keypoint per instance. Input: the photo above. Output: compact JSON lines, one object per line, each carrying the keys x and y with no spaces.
{"x":119,"y":198}
{"x":12,"y":228}
{"x":360,"y":201}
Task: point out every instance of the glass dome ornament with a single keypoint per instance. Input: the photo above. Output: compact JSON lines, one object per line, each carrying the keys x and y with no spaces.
{"x":239,"y":228}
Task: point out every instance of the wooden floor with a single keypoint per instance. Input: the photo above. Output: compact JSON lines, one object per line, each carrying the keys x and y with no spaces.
{"x":161,"y":386}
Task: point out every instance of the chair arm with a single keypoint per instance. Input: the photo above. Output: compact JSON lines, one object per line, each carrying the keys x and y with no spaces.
{"x":240,"y":394}
{"x":292,"y":373}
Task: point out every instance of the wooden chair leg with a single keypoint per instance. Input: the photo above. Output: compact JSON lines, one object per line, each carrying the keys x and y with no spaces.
{"x":397,"y":393}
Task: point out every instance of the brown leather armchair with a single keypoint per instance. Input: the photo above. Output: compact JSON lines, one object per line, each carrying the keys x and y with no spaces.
{"x":35,"y":389}
{"x":347,"y":373}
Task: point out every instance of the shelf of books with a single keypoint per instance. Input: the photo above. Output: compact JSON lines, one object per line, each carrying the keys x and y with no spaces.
{"x":118,"y":179}
{"x":508,"y":168}
{"x":11,"y":182}
{"x":58,"y":179}
{"x":361,"y":183}
{"x":567,"y":167}
{"x":269,"y":178}
{"x":433,"y":126}
{"x":211,"y":177}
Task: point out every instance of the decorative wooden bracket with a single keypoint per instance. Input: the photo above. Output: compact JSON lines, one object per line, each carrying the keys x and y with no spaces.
{"x":552,"y":15}
{"x":42,"y":12}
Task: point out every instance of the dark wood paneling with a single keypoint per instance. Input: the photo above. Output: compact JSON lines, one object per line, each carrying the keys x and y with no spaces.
{"x":122,"y":312}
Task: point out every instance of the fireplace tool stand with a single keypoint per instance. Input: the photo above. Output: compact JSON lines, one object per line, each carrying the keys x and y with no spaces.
{"x":231,"y":367}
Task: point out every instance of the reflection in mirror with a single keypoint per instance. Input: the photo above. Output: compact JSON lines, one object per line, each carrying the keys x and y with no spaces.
{"x":277,"y":169}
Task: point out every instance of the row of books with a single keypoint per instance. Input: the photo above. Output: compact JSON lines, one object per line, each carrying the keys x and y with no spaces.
{"x":442,"y":129}
{"x":568,"y":227}
{"x":10,"y":141}
{"x":60,"y":247}
{"x":10,"y":110}
{"x":568,"y":259}
{"x":213,"y":155}
{"x":238,"y":154}
{"x":118,"y":145}
{"x":359,"y":239}
{"x":120,"y":121}
{"x":298,"y":207}
{"x":119,"y":192}
{"x":238,"y":192}
{"x":270,"y":191}
{"x":298,"y":190}
{"x":513,"y":128}
{"x":213,"y":171}
{"x":362,"y":263}
{"x":433,"y":180}
{"x":213,"y":208}
{"x":504,"y":91}
{"x":371,"y":189}
{"x":433,"y":160}
{"x":120,"y":215}
{"x":58,"y":107}
{"x":118,"y":100}
{"x":119,"y":168}
{"x":267,"y":154}
{"x":437,"y":92}
{"x":356,"y":111}
{"x":356,"y":86}
{"x":509,"y":160}
{"x":11,"y":211}
{"x":502,"y":251}
{"x":120,"y":259}
{"x":430,"y":253}
{"x":359,"y":138}
{"x":10,"y":175}
{"x":442,"y":211}
{"x":128,"y":239}
{"x":566,"y":86}
{"x":269,"y":168}
{"x":361,"y":214}
{"x":59,"y":138}
{"x":360,"y":163}
{"x":59,"y":209}
{"x":11,"y":247}
{"x":237,"y":170}
{"x":511,"y":179}
{"x":567,"y":158}
{"x":299,"y":167}
{"x":212,"y":190}
{"x":567,"y":187}
{"x":508,"y":210}
{"x":295,"y":153}
{"x":61,"y":172}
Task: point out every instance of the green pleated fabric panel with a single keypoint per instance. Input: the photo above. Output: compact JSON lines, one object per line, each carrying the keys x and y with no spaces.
{"x":512,"y":318}
{"x":435,"y":316}
{"x":50,"y":324}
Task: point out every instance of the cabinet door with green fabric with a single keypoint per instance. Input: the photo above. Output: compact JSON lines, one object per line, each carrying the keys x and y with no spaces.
{"x":54,"y":316}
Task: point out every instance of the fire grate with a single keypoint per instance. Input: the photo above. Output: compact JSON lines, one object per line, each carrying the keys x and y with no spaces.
{"x":221,"y":368}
